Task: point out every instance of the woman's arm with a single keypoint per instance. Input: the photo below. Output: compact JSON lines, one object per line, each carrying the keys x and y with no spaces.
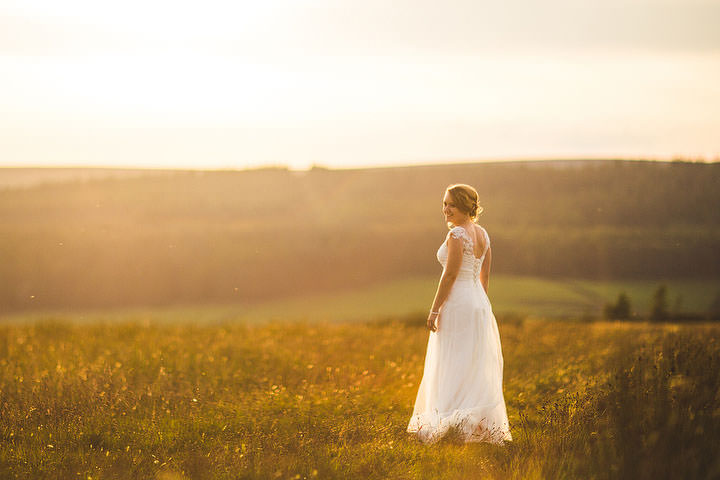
{"x":450,"y":273}
{"x":485,"y":270}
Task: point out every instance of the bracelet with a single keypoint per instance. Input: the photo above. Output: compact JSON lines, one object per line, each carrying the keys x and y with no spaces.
{"x":436,"y":313}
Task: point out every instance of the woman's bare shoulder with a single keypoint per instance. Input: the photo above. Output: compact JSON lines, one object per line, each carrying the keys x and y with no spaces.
{"x":480,"y":233}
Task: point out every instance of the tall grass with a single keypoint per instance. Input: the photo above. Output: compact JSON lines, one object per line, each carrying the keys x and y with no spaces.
{"x":314,"y":400}
{"x":657,"y":416}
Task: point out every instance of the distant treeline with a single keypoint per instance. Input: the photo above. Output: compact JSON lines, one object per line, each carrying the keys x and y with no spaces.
{"x":223,"y":236}
{"x":660,"y":310}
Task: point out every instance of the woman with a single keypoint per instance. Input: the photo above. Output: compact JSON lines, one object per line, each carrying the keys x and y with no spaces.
{"x":461,"y":385}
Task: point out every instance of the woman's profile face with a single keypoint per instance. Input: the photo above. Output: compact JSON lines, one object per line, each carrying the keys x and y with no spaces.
{"x":450,"y":210}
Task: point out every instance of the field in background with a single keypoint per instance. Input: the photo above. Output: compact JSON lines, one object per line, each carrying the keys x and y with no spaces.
{"x":332,"y":400}
{"x":509,"y":294}
{"x":12,"y":178}
{"x":242,"y":237}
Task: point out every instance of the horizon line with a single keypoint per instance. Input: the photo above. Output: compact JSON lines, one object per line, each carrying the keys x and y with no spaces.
{"x":321,"y":166}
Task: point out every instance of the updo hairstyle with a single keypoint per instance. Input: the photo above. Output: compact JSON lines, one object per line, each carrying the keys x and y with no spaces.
{"x":466,"y":199}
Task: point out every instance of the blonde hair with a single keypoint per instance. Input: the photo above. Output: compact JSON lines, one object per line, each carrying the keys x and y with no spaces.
{"x":466,"y":199}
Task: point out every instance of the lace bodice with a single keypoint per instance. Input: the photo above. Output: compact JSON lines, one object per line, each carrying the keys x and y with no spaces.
{"x":470,"y":267}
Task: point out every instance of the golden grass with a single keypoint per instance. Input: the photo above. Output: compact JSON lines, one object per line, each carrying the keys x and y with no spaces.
{"x":322,"y":400}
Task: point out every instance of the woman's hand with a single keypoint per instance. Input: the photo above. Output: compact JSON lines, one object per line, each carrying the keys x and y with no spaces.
{"x":433,"y":321}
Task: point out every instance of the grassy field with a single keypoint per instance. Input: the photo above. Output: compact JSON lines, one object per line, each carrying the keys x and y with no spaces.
{"x":509,"y":294}
{"x":301,"y":400}
{"x":112,"y":239}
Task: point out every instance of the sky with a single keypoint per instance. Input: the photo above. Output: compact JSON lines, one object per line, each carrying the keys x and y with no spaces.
{"x":345,"y":83}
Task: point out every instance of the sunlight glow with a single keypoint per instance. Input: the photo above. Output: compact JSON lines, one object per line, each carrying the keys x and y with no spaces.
{"x":280,"y":82}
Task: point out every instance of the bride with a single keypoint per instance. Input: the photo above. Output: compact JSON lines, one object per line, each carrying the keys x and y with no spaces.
{"x":461,"y":387}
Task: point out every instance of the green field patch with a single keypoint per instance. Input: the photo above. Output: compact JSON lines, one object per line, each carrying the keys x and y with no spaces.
{"x":412,"y":296}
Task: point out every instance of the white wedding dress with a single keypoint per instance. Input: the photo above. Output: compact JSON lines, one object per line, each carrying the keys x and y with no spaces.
{"x":461,"y":385}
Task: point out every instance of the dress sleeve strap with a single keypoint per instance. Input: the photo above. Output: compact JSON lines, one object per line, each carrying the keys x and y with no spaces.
{"x":461,"y":233}
{"x":458,"y":232}
{"x":487,"y":240}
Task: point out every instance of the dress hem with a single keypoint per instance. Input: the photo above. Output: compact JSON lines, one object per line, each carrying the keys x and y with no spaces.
{"x":474,"y":424}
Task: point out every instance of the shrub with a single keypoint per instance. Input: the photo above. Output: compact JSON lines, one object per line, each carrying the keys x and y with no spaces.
{"x":659,"y":308}
{"x":620,"y":310}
